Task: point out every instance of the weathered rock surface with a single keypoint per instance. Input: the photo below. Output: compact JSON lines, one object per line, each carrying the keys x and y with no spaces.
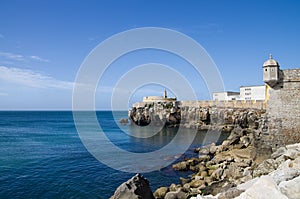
{"x":263,"y":188}
{"x":124,"y":121}
{"x":291,"y":188}
{"x":135,"y":188}
{"x":281,"y":181}
{"x":230,"y":170}
{"x":172,"y":115}
{"x":161,"y":192}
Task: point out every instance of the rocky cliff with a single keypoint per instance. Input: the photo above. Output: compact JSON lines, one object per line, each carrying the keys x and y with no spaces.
{"x":172,"y":115}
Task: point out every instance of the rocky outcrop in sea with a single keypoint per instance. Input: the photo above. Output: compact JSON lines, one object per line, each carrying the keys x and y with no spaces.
{"x":200,"y":118}
{"x":135,"y":188}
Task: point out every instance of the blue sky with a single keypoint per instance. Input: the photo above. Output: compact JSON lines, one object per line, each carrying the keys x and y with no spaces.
{"x":43,"y":43}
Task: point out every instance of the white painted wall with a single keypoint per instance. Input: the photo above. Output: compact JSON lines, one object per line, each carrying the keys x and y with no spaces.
{"x":252,"y":92}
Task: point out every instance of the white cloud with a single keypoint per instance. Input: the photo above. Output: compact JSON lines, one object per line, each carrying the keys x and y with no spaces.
{"x":12,"y":56}
{"x":37,"y":58}
{"x":19,"y":57}
{"x":31,"y":78}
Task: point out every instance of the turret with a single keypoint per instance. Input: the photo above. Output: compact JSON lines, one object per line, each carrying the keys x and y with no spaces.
{"x":271,"y":71}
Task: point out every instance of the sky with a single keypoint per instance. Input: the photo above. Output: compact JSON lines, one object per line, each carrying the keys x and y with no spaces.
{"x":44,"y":43}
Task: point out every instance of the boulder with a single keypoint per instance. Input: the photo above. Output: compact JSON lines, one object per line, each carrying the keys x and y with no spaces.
{"x":264,"y":187}
{"x":135,"y":188}
{"x":176,"y":195}
{"x":204,"y":151}
{"x":161,"y":192}
{"x":281,"y":175}
{"x":217,"y":174}
{"x":203,"y":158}
{"x":291,"y":188}
{"x":196,"y":183}
{"x":180,"y":166}
{"x":230,"y":193}
{"x":279,"y":152}
{"x":174,"y":187}
{"x":264,"y":168}
{"x":123,"y":120}
{"x":213,"y":148}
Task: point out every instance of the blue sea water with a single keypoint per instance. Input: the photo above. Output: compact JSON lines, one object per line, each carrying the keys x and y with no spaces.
{"x":42,"y":156}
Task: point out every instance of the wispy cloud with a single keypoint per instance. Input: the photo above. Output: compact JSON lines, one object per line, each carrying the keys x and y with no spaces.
{"x":1,"y":36}
{"x":31,"y":78}
{"x":19,"y":57}
{"x":12,"y":56}
{"x":37,"y":58}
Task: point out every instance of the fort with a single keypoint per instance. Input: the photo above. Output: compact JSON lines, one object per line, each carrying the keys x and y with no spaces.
{"x":277,"y":102}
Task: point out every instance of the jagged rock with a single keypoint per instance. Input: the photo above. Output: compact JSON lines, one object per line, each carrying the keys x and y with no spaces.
{"x":264,"y":168}
{"x":291,"y":188}
{"x":184,"y":180}
{"x":208,"y":180}
{"x":176,"y":195}
{"x":279,"y":152}
{"x":196,"y":183}
{"x":203,"y":174}
{"x":186,"y":187}
{"x":213,"y":148}
{"x":203,"y":158}
{"x":123,"y":120}
{"x":230,"y":193}
{"x":195,"y":191}
{"x":174,"y":187}
{"x":217,"y":174}
{"x":245,"y":141}
{"x":135,"y":188}
{"x":204,"y":151}
{"x":161,"y":192}
{"x":264,"y":187}
{"x":180,"y":166}
{"x":193,"y":117}
{"x":284,"y":174}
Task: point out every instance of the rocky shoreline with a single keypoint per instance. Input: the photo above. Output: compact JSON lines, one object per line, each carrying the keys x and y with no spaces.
{"x":243,"y":166}
{"x":230,"y":170}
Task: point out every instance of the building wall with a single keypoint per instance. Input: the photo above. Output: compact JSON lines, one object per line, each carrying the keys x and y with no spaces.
{"x":283,"y":109}
{"x":252,"y":92}
{"x":251,"y":104}
{"x":220,"y":96}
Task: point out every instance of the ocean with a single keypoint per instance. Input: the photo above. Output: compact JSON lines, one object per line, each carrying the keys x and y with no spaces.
{"x":42,"y":156}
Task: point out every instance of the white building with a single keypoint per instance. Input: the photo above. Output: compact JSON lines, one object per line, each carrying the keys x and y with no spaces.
{"x":246,"y":93}
{"x":227,"y":95}
{"x":253,"y":92}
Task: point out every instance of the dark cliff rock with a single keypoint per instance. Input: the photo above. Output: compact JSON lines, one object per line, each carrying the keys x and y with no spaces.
{"x":135,"y":188}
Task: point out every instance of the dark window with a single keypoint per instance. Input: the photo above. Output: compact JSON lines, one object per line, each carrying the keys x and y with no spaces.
{"x":266,"y":69}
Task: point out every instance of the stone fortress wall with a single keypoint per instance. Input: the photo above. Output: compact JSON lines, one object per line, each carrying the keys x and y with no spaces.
{"x":235,"y":104}
{"x":283,"y":109}
{"x":281,"y":125}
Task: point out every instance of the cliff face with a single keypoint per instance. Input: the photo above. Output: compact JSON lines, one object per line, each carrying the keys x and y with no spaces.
{"x":172,"y":115}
